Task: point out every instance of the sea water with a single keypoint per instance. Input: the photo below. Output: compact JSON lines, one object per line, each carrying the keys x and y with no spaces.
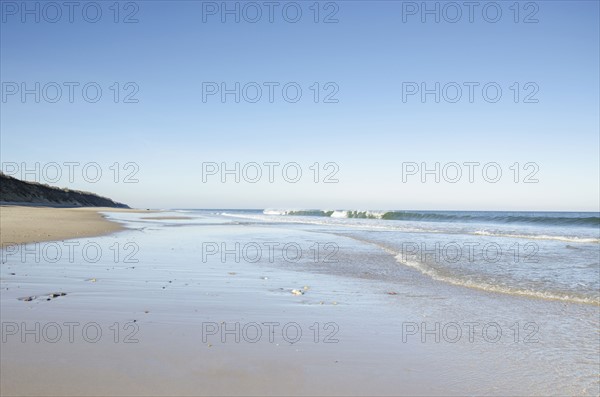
{"x":429,"y":303}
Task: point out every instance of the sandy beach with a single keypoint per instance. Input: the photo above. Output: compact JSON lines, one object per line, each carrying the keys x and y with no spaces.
{"x":300,"y":198}
{"x":21,"y":224}
{"x":168,"y":316}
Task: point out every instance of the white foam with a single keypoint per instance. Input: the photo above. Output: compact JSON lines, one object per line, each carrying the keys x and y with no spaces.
{"x":435,"y":274}
{"x":570,"y":239}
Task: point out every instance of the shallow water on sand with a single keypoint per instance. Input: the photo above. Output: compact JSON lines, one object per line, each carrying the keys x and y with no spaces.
{"x":205,"y":312}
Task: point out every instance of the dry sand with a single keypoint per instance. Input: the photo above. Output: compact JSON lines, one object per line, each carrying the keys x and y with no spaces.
{"x":29,"y":224}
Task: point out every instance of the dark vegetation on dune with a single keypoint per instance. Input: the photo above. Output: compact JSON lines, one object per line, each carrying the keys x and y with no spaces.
{"x":16,"y":191}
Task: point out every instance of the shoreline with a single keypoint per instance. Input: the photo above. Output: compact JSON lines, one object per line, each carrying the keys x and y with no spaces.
{"x":22,"y":224}
{"x":188,"y":322}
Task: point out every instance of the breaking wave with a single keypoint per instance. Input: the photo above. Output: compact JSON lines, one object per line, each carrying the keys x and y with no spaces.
{"x":584,"y":219}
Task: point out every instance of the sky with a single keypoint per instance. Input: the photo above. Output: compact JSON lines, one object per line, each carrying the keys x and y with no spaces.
{"x":350,"y":130}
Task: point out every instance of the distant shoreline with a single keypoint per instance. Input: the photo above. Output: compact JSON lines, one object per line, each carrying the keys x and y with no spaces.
{"x":22,"y":223}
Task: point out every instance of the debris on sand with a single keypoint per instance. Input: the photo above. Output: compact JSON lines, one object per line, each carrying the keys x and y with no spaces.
{"x":47,"y":297}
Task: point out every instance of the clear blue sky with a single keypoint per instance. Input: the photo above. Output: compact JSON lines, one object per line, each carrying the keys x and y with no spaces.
{"x":369,"y":133}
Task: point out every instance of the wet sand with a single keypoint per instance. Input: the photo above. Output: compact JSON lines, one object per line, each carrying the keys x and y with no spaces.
{"x":151,"y":314}
{"x":166,"y":218}
{"x":165,"y":319}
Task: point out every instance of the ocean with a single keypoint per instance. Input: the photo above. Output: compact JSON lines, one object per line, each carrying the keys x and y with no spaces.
{"x":434,"y":302}
{"x":545,"y":255}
